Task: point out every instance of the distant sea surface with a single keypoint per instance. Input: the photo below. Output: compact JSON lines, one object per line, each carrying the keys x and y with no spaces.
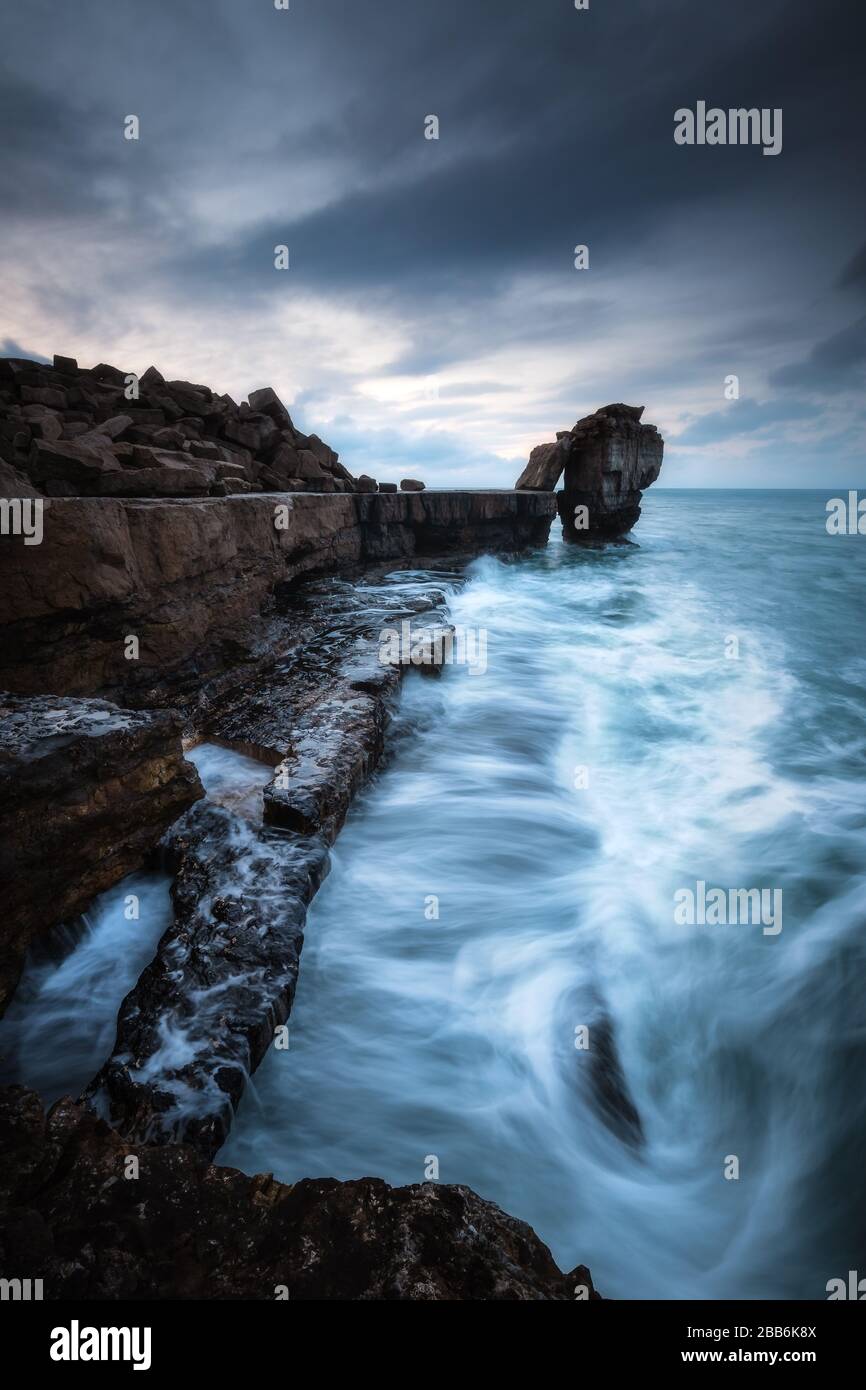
{"x":689,"y":707}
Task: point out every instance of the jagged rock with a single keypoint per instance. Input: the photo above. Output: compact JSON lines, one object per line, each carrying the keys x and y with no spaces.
{"x":205,"y":449}
{"x":103,"y":371}
{"x":168,"y":438}
{"x":308,"y":467}
{"x":223,"y":977}
{"x":86,"y":789}
{"x":411,"y":485}
{"x":544,"y":468}
{"x":45,"y":426}
{"x":244,"y":432}
{"x":63,"y":402}
{"x":188,"y":1229}
{"x":66,"y":464}
{"x":608,"y":459}
{"x":168,"y":480}
{"x":267,"y":402}
{"x":116,"y":426}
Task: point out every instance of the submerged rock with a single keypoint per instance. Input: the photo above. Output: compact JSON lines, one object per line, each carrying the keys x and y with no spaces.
{"x":72,"y":1215}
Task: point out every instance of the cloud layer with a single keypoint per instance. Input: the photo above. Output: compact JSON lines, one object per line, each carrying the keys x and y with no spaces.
{"x":432,"y":321}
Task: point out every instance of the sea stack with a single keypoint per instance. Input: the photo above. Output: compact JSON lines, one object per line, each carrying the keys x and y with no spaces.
{"x":608,"y":459}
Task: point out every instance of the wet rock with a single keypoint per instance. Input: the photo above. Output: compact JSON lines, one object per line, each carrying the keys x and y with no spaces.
{"x":411,"y":485}
{"x":224,"y":973}
{"x":609,"y":1085}
{"x":203,"y":1013}
{"x":86,"y":790}
{"x":185,"y":1228}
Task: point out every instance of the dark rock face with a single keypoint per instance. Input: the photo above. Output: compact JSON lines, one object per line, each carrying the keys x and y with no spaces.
{"x":609,"y":458}
{"x":189,"y":577}
{"x":187,"y":1229}
{"x":411,"y":485}
{"x":78,"y":433}
{"x":86,"y":790}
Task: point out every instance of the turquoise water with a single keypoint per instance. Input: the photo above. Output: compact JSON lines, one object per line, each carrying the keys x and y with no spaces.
{"x":740,"y":764}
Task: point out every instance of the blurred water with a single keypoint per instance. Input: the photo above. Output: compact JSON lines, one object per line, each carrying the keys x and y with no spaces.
{"x":454,"y":1036}
{"x":61,"y":1024}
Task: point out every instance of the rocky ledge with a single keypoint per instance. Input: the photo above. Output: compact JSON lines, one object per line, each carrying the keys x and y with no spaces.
{"x":95,"y":1217}
{"x":224,"y":973}
{"x":86,"y":790}
{"x":608,"y":459}
{"x":190,"y":579}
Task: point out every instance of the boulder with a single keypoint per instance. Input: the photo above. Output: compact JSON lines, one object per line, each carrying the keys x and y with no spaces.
{"x":79,"y":467}
{"x":366,"y":484}
{"x":267,"y":402}
{"x":309,"y":468}
{"x":411,"y":485}
{"x":544,"y":468}
{"x":167,"y":480}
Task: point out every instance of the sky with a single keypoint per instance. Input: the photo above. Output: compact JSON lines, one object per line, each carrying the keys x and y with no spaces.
{"x":432,"y":322}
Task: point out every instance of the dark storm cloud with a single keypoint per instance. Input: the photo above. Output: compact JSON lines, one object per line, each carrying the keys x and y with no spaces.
{"x":305,"y":127}
{"x":835,"y":365}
